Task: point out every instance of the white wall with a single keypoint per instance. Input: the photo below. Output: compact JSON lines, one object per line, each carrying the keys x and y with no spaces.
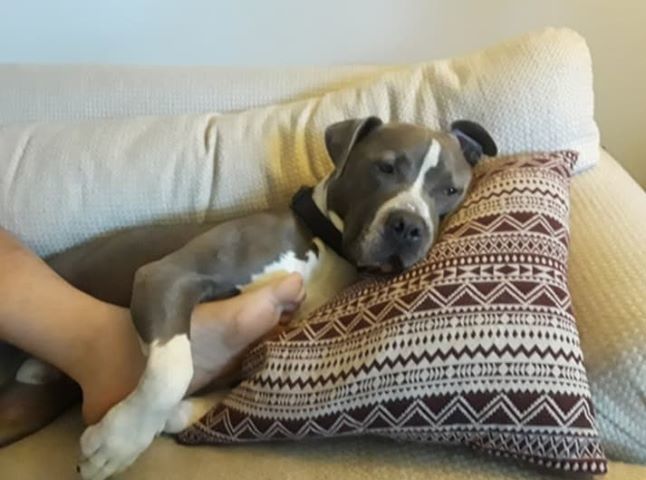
{"x":298,"y":32}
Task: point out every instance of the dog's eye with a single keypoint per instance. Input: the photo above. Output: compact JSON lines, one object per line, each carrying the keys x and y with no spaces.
{"x":385,"y":167}
{"x":450,"y":191}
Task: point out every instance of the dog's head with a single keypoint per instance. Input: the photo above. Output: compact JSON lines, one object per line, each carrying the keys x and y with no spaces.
{"x":393,"y":183}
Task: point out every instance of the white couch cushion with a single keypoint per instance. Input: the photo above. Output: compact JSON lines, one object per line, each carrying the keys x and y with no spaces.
{"x":61,"y":183}
{"x":79,"y":92}
{"x":607,"y":278}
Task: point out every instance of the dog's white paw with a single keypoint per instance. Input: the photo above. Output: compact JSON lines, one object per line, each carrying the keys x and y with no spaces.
{"x":113,"y":444}
{"x":190,"y":410}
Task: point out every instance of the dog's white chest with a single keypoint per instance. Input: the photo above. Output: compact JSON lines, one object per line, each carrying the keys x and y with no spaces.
{"x":324,"y":275}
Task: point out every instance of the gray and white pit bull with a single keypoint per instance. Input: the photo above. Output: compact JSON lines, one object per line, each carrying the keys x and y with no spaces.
{"x":391,"y":185}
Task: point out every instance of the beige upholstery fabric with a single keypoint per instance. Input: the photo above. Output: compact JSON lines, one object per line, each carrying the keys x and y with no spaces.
{"x":76,"y":92}
{"x":52,"y":453}
{"x":61,"y":183}
{"x":608,"y":285}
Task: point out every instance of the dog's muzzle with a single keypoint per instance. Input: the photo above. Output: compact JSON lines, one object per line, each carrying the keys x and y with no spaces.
{"x":399,"y":241}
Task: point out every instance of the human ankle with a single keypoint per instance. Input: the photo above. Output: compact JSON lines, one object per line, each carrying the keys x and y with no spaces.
{"x":111,"y":369}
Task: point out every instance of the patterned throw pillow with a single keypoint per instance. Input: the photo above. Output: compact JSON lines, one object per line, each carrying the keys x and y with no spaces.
{"x":477,"y":345}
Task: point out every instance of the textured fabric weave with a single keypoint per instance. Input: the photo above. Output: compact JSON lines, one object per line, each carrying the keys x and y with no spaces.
{"x":608,"y":285}
{"x":351,"y":458}
{"x":477,"y":345}
{"x":41,"y":93}
{"x":63,"y":183}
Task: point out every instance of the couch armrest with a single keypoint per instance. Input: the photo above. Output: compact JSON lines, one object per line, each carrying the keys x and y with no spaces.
{"x":608,"y":285}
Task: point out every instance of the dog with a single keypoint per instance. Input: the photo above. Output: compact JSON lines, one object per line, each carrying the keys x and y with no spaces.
{"x":378,"y":211}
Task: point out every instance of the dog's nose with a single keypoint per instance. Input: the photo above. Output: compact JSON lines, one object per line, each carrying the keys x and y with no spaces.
{"x":406,"y":227}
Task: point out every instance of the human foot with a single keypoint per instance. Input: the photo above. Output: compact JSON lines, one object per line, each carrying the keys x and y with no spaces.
{"x":222,"y":330}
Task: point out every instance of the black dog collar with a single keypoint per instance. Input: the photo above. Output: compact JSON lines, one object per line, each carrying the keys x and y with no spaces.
{"x":305,"y":209}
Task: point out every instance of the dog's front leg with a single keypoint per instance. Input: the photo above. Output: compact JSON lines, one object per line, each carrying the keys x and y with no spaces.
{"x":161,"y":306}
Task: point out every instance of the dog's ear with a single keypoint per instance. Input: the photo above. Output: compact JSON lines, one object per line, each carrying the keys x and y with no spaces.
{"x":474,"y":140}
{"x":340,"y":137}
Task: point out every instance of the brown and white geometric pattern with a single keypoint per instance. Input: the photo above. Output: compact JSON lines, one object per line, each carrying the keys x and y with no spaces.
{"x":477,"y":345}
